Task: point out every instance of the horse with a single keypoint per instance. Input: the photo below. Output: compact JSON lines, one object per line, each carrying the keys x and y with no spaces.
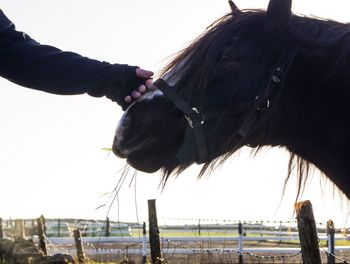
{"x":254,"y":78}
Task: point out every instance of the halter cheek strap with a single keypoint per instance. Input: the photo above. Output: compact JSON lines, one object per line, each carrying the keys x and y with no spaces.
{"x":196,"y":120}
{"x":263,"y":100}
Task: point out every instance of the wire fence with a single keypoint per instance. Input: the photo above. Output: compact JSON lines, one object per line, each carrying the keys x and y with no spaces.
{"x":188,"y":241}
{"x":207,"y":242}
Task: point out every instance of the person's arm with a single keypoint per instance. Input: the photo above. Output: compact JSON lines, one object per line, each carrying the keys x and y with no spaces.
{"x":46,"y":68}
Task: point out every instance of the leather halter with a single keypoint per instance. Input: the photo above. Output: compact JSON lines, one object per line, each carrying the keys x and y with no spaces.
{"x":196,"y":119}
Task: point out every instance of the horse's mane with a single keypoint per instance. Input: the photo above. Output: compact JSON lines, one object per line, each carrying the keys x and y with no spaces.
{"x":313,"y":36}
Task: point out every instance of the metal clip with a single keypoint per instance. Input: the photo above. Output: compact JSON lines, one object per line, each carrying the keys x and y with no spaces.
{"x":276,"y":77}
{"x":191,"y":122}
{"x":260,"y":107}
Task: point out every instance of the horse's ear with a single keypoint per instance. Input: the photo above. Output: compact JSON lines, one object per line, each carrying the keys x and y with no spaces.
{"x":278,"y":14}
{"x":233,"y":6}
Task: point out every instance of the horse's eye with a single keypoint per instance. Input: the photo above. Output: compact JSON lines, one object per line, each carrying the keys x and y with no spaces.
{"x":225,"y":58}
{"x":229,"y":59}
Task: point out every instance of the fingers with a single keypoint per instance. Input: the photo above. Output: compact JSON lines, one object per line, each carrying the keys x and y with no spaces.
{"x":149,"y":83}
{"x":136,"y":94}
{"x":146,"y":75}
{"x":143,"y":73}
{"x":128,"y":99}
{"x":142,"y":89}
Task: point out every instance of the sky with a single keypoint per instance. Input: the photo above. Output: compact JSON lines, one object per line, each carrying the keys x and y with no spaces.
{"x":51,"y":157}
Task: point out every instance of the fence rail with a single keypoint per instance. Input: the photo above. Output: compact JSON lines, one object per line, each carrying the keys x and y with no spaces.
{"x":135,"y":251}
{"x":103,"y":239}
{"x":223,"y":241}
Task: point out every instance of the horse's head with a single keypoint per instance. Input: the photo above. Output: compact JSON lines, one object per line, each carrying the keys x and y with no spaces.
{"x":212,"y":97}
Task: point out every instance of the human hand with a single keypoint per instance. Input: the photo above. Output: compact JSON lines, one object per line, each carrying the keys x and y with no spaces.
{"x":136,"y":94}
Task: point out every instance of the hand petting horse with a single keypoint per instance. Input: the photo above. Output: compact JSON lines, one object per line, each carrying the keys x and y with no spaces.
{"x":256,"y":78}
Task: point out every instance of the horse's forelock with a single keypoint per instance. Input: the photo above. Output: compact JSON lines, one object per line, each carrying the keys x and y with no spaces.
{"x":194,"y":67}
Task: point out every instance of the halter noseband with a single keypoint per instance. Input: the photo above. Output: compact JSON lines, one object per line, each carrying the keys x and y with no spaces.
{"x":196,"y":119}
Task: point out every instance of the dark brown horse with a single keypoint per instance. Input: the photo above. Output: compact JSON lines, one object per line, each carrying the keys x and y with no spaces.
{"x":256,"y":78}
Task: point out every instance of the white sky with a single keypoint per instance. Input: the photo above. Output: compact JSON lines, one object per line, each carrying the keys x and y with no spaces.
{"x":51,"y":160}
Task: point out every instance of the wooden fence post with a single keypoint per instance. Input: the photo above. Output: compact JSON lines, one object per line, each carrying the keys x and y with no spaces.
{"x":154,"y":232}
{"x":79,"y":246}
{"x":307,"y":233}
{"x":34,"y":229}
{"x":59,"y":227}
{"x":330,"y":241}
{"x":199,"y":227}
{"x":144,"y":249}
{"x":41,"y":234}
{"x":240,"y":242}
{"x":108,"y":228}
{"x":43,"y":220}
{"x":2,"y":233}
{"x":20,"y":228}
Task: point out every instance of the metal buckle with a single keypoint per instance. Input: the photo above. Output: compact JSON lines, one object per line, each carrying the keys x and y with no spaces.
{"x":277,"y":75}
{"x":194,"y":121}
{"x":261,"y":107}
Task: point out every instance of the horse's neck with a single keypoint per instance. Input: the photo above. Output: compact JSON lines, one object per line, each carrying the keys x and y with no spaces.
{"x":314,"y":123}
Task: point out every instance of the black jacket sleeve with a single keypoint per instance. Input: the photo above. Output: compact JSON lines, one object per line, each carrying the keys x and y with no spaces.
{"x":28,"y":63}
